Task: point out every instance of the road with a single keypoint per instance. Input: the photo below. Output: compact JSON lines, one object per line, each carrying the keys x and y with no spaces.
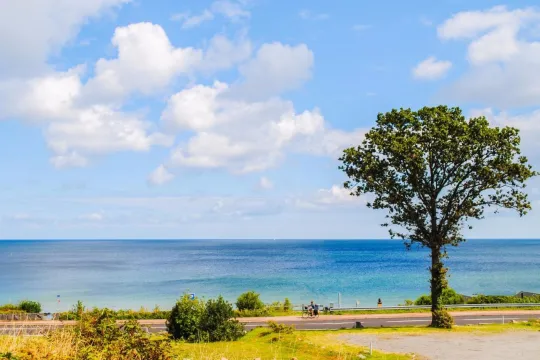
{"x":324,"y":322}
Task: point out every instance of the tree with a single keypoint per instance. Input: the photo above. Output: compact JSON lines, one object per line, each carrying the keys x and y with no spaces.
{"x":432,"y":170}
{"x":249,"y":301}
{"x":183,"y":322}
{"x":218,"y":323}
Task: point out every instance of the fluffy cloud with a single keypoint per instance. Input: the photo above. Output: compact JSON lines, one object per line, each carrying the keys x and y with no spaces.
{"x":146,"y":62}
{"x":276,"y":68}
{"x":160,"y":176}
{"x":31,"y":30}
{"x":245,"y":136}
{"x":504,"y":58}
{"x":431,"y":69}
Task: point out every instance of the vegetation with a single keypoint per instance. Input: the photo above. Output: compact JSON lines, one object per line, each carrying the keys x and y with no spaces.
{"x":183,"y":322}
{"x":194,"y":321}
{"x":432,"y":170}
{"x":448,"y":297}
{"x":217,"y":323}
{"x":25,"y":306}
{"x":249,"y":301}
{"x":96,"y":337}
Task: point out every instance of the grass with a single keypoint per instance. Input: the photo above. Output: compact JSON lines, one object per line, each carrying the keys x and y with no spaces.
{"x":267,"y":345}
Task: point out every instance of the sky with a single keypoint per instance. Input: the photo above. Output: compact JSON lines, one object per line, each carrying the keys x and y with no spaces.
{"x":193,"y":119}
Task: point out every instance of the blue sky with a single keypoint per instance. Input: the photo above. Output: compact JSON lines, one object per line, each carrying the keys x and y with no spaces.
{"x":225,"y":118}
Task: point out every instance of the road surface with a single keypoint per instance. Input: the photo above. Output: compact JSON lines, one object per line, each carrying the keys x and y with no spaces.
{"x":324,"y":322}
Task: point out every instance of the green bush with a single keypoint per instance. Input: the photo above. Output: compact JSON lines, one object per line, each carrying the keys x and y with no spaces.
{"x":449,"y":297}
{"x":30,"y":306}
{"x":502,"y":299}
{"x":442,"y":319}
{"x":287,"y":306}
{"x":280,"y":328}
{"x":183,"y":322}
{"x":252,"y":313}
{"x":99,"y":337}
{"x":249,"y":301}
{"x":217,"y":322}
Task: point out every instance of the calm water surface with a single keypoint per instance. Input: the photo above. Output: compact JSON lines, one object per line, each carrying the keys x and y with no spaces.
{"x":130,"y":274}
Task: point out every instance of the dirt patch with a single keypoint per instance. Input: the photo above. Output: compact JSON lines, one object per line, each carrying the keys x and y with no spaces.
{"x":522,"y":345}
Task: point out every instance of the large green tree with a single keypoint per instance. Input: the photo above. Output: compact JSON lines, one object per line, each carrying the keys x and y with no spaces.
{"x":432,"y":170}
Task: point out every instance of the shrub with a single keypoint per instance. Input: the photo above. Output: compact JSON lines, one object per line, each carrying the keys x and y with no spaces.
{"x":252,"y":313}
{"x":280,"y":328}
{"x":449,"y":297}
{"x":183,"y":322}
{"x":217,"y":322}
{"x":442,"y":319}
{"x":30,"y":306}
{"x":287,"y":306}
{"x":501,"y":299}
{"x":249,"y":301}
{"x":99,"y":337}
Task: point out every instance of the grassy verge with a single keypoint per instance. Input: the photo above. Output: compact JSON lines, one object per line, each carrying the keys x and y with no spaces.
{"x":263,"y":344}
{"x":407,"y":311}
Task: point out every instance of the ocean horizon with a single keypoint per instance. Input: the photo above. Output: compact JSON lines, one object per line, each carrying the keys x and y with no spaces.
{"x":133,"y":273}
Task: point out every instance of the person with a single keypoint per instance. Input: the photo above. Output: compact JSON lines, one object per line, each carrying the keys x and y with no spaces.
{"x":315,"y":308}
{"x":379,"y":303}
{"x":310,"y":309}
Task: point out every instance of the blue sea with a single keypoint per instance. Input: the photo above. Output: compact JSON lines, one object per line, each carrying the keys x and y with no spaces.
{"x":131,"y":274}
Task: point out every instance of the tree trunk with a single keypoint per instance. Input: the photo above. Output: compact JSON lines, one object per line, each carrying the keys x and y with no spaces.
{"x":439,"y":317}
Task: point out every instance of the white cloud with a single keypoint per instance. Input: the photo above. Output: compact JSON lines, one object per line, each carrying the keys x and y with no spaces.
{"x":69,"y":159}
{"x":93,"y":217}
{"x":504,"y":57}
{"x":160,"y":176}
{"x":232,"y":10}
{"x":265,"y":183}
{"x":101,"y":130}
{"x":223,"y":53}
{"x":31,"y":30}
{"x":246,"y":136}
{"x":276,"y":68}
{"x":361,"y":27}
{"x":308,"y":15}
{"x":146,"y":62}
{"x":431,"y":69}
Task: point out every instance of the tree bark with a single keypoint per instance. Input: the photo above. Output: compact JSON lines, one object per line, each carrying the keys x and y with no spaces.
{"x":439,"y":317}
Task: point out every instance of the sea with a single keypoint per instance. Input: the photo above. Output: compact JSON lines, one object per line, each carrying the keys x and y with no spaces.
{"x":136,"y":273}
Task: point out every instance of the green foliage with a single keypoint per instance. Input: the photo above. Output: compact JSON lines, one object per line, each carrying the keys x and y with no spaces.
{"x":8,"y":356}
{"x":281,"y":328}
{"x":99,"y":336}
{"x":442,"y":319}
{"x":30,"y":306}
{"x":253,"y":313}
{"x":501,"y":299}
{"x":217,"y":322}
{"x":432,"y":170}
{"x":287,"y":306}
{"x":194,"y":321}
{"x":183,"y":322}
{"x":449,"y":297}
{"x":249,"y":301}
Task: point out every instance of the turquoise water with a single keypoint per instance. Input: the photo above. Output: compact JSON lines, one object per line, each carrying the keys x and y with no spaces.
{"x":130,"y":274}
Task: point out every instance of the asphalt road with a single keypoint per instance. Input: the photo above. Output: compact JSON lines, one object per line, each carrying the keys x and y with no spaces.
{"x":321,"y":323}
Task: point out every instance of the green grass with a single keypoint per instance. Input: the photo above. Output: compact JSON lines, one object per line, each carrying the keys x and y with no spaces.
{"x":267,"y":345}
